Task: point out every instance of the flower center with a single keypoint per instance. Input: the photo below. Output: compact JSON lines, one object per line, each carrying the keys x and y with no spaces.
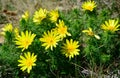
{"x":70,"y":49}
{"x":29,"y":62}
{"x":26,"y":43}
{"x":62,"y":30}
{"x":89,"y":7}
{"x":111,"y":27}
{"x":90,"y":33}
{"x":50,"y":41}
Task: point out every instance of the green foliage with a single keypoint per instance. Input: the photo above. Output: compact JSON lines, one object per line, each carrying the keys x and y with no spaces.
{"x":49,"y":64}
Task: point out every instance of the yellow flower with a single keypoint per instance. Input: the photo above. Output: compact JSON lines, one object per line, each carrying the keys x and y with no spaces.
{"x":27,"y":61}
{"x":62,"y":29}
{"x":91,"y":33}
{"x":54,"y":15}
{"x":39,"y":15}
{"x":7,"y":28}
{"x":89,"y":5}
{"x":49,"y":40}
{"x":25,"y":15}
{"x":110,"y":25}
{"x":16,"y":31}
{"x":24,"y":40}
{"x":70,"y":48}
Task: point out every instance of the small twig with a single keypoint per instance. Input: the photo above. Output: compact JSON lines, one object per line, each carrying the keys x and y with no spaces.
{"x":52,"y":72}
{"x":77,"y":65}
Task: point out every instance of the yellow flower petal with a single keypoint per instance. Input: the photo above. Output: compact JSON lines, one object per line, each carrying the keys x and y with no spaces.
{"x":62,"y":30}
{"x":24,"y":40}
{"x":89,"y":5}
{"x":110,"y":25}
{"x":7,"y":28}
{"x":54,"y":15}
{"x":69,"y":49}
{"x":25,"y":15}
{"x":50,"y":40}
{"x":39,"y":15}
{"x":27,"y":61}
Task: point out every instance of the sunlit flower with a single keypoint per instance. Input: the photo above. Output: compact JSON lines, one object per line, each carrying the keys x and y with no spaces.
{"x":54,"y":15}
{"x":110,"y":25}
{"x":7,"y":27}
{"x":25,"y":15}
{"x":27,"y":61}
{"x":24,"y":40}
{"x":49,"y":39}
{"x":89,"y":5}
{"x":91,"y":33}
{"x":70,"y":48}
{"x":62,"y":29}
{"x":39,"y":15}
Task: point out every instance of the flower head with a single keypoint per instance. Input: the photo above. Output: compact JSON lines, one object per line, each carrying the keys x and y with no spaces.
{"x":16,"y":31}
{"x":110,"y":25}
{"x":39,"y":15}
{"x":70,"y":48}
{"x":54,"y":15}
{"x":24,"y":40}
{"x":27,"y":61}
{"x":62,"y":29}
{"x":7,"y":28}
{"x":49,"y":39}
{"x":25,"y":15}
{"x":91,"y":33}
{"x":89,"y":5}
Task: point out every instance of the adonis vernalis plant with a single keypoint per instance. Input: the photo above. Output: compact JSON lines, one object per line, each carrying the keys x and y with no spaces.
{"x":7,"y":28}
{"x":62,"y":29}
{"x":70,"y":48}
{"x":54,"y":15}
{"x":110,"y":25}
{"x":56,"y":36}
{"x":24,"y":40}
{"x":25,"y":15}
{"x":27,"y":61}
{"x":89,"y":5}
{"x":50,"y":39}
{"x":39,"y":15}
{"x":91,"y":33}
